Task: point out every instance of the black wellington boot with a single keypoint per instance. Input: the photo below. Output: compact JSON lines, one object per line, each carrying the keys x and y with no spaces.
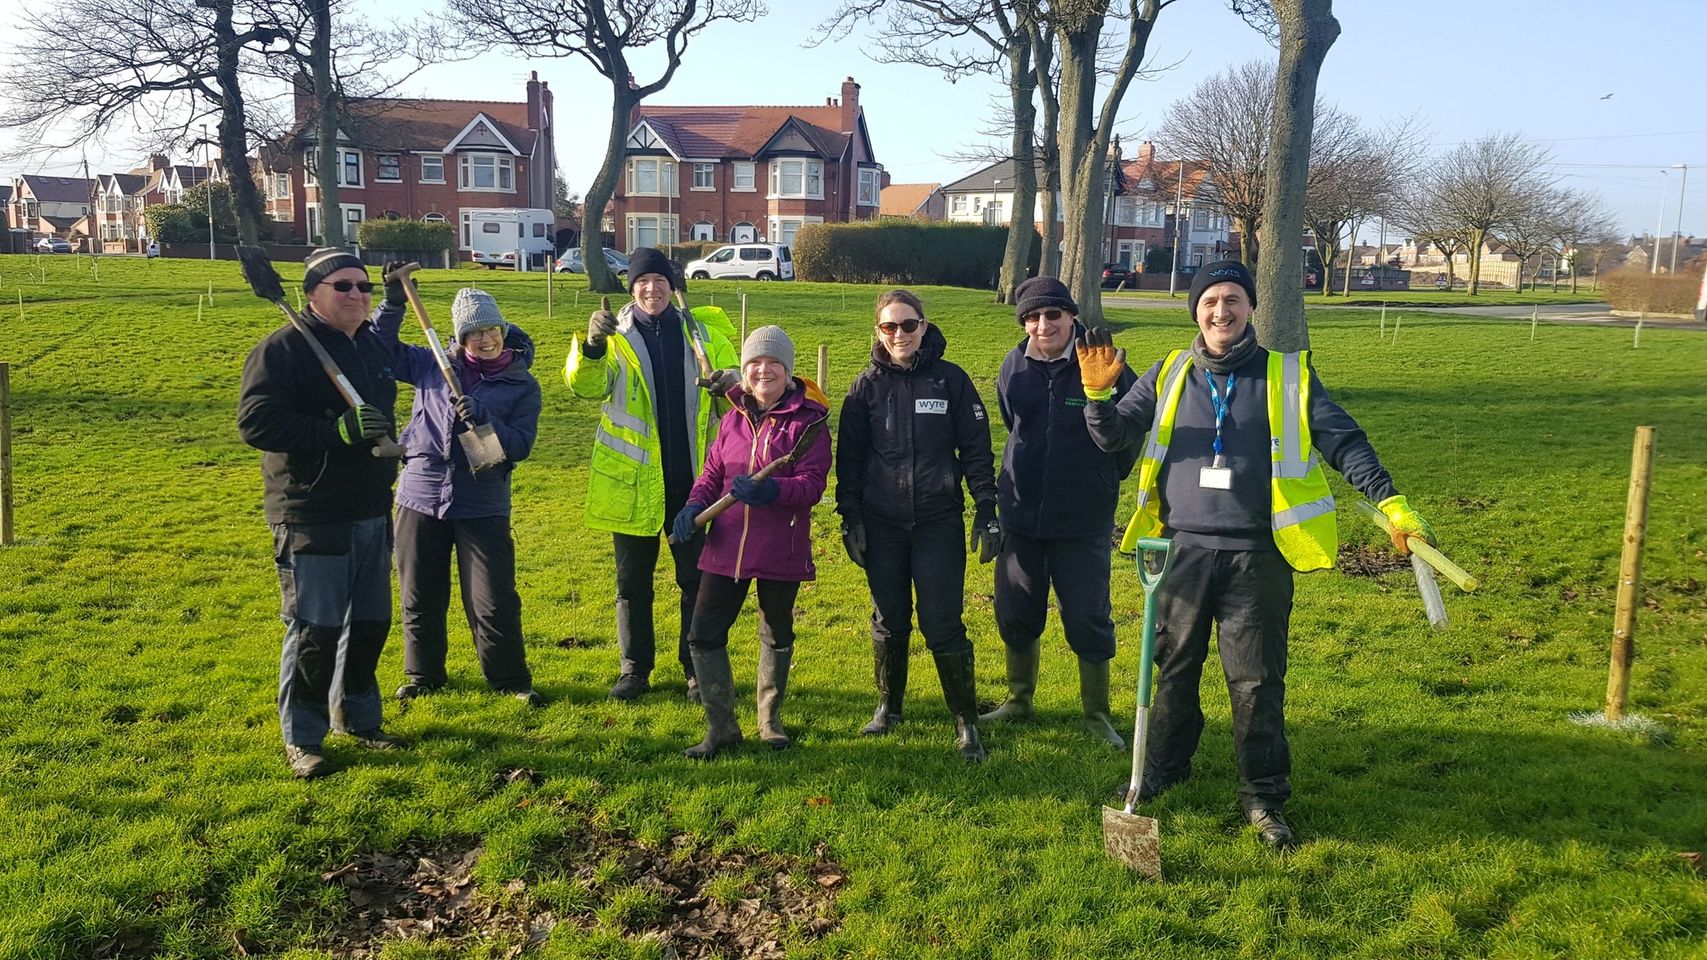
{"x":959,"y":689}
{"x":890,"y":659}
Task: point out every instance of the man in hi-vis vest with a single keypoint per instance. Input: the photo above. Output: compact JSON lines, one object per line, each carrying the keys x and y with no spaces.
{"x":1232,"y":472}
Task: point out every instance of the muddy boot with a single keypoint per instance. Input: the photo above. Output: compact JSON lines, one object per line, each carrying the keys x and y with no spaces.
{"x":958,"y":688}
{"x":773,"y":684}
{"x":1022,"y":684}
{"x":891,"y":670}
{"x":717,"y":695}
{"x":1093,"y":694}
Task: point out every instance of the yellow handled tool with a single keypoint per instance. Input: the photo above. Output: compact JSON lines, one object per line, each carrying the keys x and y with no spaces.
{"x":1421,"y":548}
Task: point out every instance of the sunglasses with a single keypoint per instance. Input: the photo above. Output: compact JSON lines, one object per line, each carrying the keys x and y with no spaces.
{"x":1050,"y":314}
{"x":905,"y":326}
{"x":345,"y":286}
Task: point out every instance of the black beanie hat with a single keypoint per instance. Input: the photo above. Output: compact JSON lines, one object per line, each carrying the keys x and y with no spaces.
{"x":326,"y":261}
{"x":646,"y":260}
{"x":1040,"y":292}
{"x":1221,"y":271}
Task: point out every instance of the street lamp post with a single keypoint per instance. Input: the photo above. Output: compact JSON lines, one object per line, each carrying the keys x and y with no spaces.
{"x":1677,"y":235}
{"x":1179,"y":201}
{"x":1659,"y":224}
{"x":208,"y":180}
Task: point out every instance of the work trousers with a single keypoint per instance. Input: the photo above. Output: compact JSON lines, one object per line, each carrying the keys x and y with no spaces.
{"x":1079,"y":571}
{"x":335,"y":600}
{"x":719,"y":604}
{"x":486,"y":568}
{"x":636,"y":637}
{"x":929,"y":558}
{"x":1247,"y":595}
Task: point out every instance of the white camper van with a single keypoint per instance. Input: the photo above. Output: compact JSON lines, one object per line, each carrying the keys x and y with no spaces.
{"x":509,"y":236}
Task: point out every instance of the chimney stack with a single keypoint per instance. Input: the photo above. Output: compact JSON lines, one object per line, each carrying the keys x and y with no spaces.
{"x":1146,"y":153}
{"x":850,"y":105}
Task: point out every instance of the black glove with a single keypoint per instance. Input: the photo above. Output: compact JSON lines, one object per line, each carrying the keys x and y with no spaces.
{"x":853,"y":539}
{"x":682,"y":528}
{"x":469,"y":408}
{"x":986,"y":536}
{"x":394,"y":294}
{"x":755,"y":493}
{"x":599,"y":326}
{"x":363,"y":423}
{"x":722,"y":381}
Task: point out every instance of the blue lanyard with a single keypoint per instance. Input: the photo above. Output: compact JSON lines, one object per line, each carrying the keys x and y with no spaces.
{"x":1221,"y":407}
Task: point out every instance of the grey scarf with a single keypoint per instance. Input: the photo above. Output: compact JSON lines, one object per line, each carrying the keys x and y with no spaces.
{"x":1232,"y":360}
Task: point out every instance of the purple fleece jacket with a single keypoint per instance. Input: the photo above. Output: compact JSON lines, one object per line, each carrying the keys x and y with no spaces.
{"x":772,"y":542}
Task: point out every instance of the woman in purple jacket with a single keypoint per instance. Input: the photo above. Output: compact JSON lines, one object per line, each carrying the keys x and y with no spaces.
{"x":766,"y":536}
{"x":443,"y":505}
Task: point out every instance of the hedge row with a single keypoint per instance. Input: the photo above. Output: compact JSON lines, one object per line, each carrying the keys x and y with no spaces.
{"x":406,"y":235}
{"x":1636,"y":289}
{"x":903,"y":252}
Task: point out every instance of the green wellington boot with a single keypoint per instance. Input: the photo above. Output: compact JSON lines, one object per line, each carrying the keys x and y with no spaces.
{"x":1022,"y":684}
{"x":717,"y":696}
{"x":1093,"y":694}
{"x":773,"y":685}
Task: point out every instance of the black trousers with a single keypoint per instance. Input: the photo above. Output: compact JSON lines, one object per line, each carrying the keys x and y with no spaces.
{"x":931,"y":558}
{"x":636,"y":637}
{"x":1079,"y":572}
{"x":719,"y":604}
{"x":1248,"y":596}
{"x":486,"y":567}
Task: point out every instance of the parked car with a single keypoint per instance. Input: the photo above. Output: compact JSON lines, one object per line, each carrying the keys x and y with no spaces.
{"x":1115,"y":274}
{"x":571,"y":261}
{"x":53,"y":245}
{"x":744,"y":261}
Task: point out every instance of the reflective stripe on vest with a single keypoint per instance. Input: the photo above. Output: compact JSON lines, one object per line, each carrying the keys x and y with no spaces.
{"x":1305,"y":524}
{"x":1304,"y":521}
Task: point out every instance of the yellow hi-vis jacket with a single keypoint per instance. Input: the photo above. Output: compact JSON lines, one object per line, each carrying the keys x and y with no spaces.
{"x":625,"y":487}
{"x":1306,"y":528}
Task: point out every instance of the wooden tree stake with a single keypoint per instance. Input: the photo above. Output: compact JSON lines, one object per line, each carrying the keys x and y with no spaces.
{"x":8,"y":530}
{"x":823,"y":366}
{"x":1630,"y":575}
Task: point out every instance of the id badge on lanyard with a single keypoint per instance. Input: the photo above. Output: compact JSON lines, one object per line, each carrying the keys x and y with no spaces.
{"x":1218,"y":476}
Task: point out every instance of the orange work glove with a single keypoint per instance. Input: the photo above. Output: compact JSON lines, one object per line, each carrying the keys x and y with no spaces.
{"x":1100,"y":363}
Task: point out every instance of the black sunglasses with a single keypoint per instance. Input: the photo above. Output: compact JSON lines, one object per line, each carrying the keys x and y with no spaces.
{"x":905,"y":326}
{"x":1050,"y":314}
{"x":345,"y":286}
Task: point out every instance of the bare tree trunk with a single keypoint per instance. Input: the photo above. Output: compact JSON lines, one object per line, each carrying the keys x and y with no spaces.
{"x":1473,"y":256}
{"x":1021,"y":232}
{"x":233,"y":139}
{"x":1248,"y":243}
{"x":1307,"y":30}
{"x":599,"y":277}
{"x":1048,"y":150}
{"x":326,"y":127}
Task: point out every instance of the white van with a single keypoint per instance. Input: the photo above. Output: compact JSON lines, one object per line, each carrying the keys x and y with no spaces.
{"x":744,"y":261}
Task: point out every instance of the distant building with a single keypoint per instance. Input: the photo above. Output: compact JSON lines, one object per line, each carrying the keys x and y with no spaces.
{"x":50,"y":206}
{"x":919,"y":201}
{"x":743,"y":174}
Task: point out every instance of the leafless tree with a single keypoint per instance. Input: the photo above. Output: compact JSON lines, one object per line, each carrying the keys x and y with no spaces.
{"x":1532,"y":229}
{"x":1586,"y":229}
{"x":604,"y":33}
{"x":1087,"y":127}
{"x":1224,"y":123}
{"x":961,"y":38}
{"x":1355,"y":174}
{"x":1480,"y":185}
{"x":1306,"y":29}
{"x":1420,"y":213}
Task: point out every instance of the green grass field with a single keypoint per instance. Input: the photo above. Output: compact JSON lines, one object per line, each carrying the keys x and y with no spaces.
{"x":1448,"y":806}
{"x":1418,"y":297}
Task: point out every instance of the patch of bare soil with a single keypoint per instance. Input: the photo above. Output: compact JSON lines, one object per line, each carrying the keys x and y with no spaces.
{"x":425,"y":892}
{"x":1360,"y":560}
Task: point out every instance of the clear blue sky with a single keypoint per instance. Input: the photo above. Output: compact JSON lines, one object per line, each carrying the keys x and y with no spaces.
{"x":1461,"y":68}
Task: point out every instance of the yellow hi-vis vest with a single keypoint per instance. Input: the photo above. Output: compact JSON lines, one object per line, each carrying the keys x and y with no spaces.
{"x":1306,"y":528}
{"x":625,"y":482}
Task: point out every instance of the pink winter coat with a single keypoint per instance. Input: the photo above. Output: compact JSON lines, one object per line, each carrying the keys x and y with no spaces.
{"x":772,"y":542}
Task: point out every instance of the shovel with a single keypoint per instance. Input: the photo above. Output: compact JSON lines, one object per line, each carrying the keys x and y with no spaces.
{"x":1127,"y":837}
{"x":480,"y":443}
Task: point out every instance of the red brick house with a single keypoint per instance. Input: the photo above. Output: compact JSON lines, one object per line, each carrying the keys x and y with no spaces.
{"x":469,"y":163}
{"x":744,"y":173}
{"x":50,"y":206}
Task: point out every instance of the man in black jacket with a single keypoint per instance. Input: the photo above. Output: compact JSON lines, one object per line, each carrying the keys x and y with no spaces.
{"x":328,"y":500}
{"x":1058,"y":494}
{"x":912,"y":425}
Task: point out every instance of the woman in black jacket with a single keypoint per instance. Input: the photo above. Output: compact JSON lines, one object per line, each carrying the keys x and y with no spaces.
{"x":911,"y":427}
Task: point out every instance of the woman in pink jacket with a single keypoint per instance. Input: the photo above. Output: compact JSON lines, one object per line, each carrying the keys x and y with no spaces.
{"x":765,"y":536}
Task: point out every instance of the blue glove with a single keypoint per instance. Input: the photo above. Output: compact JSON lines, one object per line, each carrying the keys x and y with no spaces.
{"x":682,"y":528}
{"x":755,"y":493}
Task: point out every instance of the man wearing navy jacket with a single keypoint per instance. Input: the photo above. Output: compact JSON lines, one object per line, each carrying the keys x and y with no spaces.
{"x":1058,"y":493}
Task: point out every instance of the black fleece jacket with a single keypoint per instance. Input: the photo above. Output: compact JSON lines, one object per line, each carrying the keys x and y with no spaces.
{"x":908,"y":435}
{"x":289,"y":409}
